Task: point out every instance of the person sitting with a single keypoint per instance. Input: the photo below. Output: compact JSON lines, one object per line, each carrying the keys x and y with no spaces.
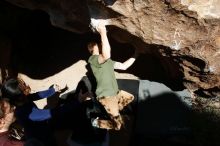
{"x":6,"y":119}
{"x":37,"y":118}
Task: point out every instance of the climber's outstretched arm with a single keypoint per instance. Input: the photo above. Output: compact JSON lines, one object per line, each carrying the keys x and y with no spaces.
{"x":106,"y":49}
{"x":127,"y":63}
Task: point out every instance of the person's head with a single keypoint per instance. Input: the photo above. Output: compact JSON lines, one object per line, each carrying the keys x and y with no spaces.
{"x":93,"y":48}
{"x":15,"y":90}
{"x":6,"y":114}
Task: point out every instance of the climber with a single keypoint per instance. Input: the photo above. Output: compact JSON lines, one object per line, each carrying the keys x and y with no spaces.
{"x":107,"y":93}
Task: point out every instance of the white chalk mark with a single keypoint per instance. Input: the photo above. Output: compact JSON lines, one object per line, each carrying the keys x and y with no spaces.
{"x":177,"y":44}
{"x":176,"y":33}
{"x":95,"y":22}
{"x":211,"y":68}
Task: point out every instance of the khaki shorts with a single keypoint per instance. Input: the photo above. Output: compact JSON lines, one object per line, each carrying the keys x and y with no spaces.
{"x":113,"y":105}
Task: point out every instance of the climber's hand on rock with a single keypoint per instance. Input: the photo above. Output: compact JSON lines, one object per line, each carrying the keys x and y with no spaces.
{"x":101,"y":27}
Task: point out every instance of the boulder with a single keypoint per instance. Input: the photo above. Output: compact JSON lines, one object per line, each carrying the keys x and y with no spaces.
{"x":187,"y":32}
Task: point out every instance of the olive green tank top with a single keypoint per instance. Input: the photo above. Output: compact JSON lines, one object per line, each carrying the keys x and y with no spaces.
{"x":105,"y":77}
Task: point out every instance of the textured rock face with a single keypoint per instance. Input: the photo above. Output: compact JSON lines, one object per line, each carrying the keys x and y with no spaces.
{"x":186,"y":31}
